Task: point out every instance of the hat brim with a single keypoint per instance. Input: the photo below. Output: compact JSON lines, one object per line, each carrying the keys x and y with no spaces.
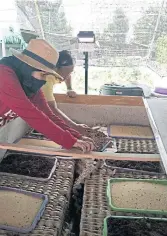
{"x":35,"y":64}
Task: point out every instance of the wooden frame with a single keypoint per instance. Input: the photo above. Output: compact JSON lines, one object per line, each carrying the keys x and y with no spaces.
{"x":77,"y":154}
{"x":100,"y":100}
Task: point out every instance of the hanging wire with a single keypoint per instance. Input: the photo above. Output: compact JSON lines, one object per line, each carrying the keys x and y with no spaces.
{"x":155,"y":30}
{"x":39,"y":18}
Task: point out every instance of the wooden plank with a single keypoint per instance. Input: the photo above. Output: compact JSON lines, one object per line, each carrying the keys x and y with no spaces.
{"x":77,"y":154}
{"x":39,"y":143}
{"x":100,"y":100}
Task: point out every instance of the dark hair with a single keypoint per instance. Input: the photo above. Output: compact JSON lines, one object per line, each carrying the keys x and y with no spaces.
{"x":65,"y":59}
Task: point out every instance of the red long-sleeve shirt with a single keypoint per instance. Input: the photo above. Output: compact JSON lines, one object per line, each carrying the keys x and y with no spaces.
{"x":35,"y":110}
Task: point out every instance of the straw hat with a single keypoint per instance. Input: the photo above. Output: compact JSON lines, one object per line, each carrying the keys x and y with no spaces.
{"x":40,"y":55}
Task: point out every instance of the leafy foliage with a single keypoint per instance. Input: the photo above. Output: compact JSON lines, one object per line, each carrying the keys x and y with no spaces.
{"x":52,"y":17}
{"x":161,"y":49}
{"x":145,"y":26}
{"x":117,"y":30}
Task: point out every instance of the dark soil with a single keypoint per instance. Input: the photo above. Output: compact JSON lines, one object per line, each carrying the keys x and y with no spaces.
{"x":138,"y":165}
{"x":142,"y":227}
{"x":99,"y":138}
{"x":28,"y":165}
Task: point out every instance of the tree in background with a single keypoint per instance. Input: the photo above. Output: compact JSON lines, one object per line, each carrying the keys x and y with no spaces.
{"x":117,"y":30}
{"x":53,"y":19}
{"x":161,"y":49}
{"x":145,"y":26}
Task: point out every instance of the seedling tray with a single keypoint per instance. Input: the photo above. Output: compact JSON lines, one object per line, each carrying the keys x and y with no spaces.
{"x":133,"y":210}
{"x":146,"y":167}
{"x":130,"y":145}
{"x":130,"y":131}
{"x":123,"y":225}
{"x":28,"y":166}
{"x":16,"y":212}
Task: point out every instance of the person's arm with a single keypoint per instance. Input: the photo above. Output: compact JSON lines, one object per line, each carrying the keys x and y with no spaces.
{"x":70,"y":92}
{"x":68,"y":83}
{"x":59,"y":113}
{"x":13,"y":96}
{"x":47,"y":89}
{"x":40,"y":101}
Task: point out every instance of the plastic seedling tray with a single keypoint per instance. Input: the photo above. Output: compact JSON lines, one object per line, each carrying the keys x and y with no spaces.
{"x":137,"y":168}
{"x":15,"y":214}
{"x":24,"y":176}
{"x":130,"y":218}
{"x":134,"y":210}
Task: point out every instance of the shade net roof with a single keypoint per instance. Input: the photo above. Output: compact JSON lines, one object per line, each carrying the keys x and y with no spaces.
{"x":130,"y":33}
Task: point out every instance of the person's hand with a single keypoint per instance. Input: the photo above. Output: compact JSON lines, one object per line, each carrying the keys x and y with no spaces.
{"x":84,"y":146}
{"x":87,"y":139}
{"x":71,"y":93}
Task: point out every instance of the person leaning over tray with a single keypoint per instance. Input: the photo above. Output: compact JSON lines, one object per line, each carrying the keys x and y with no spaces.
{"x":64,"y":67}
{"x":21,"y":77}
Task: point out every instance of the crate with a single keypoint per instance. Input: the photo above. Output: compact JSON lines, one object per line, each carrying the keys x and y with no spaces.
{"x":58,"y":189}
{"x":95,"y":205}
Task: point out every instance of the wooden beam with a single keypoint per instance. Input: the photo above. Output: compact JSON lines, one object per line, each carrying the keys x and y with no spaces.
{"x":100,"y":100}
{"x":77,"y":154}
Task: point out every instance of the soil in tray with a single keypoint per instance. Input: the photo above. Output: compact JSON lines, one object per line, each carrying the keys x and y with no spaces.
{"x":99,"y":138}
{"x":27,"y":165}
{"x":139,"y":227}
{"x":139,"y":195}
{"x":137,"y":165}
{"x":15,"y":211}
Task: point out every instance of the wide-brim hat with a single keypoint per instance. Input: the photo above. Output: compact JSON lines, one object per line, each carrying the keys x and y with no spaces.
{"x":40,"y":55}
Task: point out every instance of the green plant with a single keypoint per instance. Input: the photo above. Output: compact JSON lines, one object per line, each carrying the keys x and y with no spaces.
{"x":161,"y":49}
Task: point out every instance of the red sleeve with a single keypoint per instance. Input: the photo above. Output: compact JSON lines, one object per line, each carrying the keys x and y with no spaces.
{"x":13,"y":96}
{"x":41,"y":103}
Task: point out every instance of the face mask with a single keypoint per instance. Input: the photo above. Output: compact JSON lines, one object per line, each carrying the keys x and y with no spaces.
{"x":30,"y":84}
{"x":24,"y":72}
